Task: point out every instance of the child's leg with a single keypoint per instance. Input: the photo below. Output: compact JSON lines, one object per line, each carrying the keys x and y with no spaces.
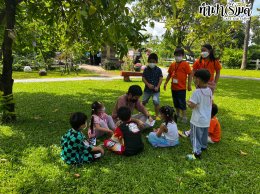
{"x":204,"y":138}
{"x":175,"y":102}
{"x":146,"y":97}
{"x":157,"y":141}
{"x":156,"y":102}
{"x":114,"y":146}
{"x":195,"y":137}
{"x":110,"y":123}
{"x":182,"y":104}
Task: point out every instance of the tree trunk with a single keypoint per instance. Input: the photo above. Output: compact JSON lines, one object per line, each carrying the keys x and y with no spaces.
{"x":7,"y":81}
{"x":246,"y":41}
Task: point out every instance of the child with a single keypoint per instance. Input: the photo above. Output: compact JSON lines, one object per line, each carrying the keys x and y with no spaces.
{"x":179,"y":71}
{"x":75,"y":148}
{"x":209,"y":62}
{"x":152,"y":77}
{"x":200,"y":103}
{"x":127,"y":138}
{"x":101,"y":123}
{"x":167,"y":134}
{"x":214,"y":128}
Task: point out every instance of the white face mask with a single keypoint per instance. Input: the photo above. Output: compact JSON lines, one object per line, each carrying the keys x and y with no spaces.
{"x":178,"y":58}
{"x":151,"y":65}
{"x":204,"y":54}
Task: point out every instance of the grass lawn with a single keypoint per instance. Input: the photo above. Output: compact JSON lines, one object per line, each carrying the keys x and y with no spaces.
{"x":243,"y":73}
{"x":32,"y":145}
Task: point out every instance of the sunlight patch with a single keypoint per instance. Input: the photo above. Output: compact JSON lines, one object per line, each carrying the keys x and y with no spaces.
{"x":6,"y":131}
{"x":197,"y":172}
{"x":246,"y":138}
{"x":105,"y":170}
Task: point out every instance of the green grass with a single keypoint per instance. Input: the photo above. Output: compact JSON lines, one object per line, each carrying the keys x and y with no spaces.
{"x":242,"y":73}
{"x":51,"y":74}
{"x":32,"y":145}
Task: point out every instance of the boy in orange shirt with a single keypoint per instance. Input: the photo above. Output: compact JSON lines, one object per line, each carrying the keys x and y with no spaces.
{"x":214,"y":128}
{"x":209,"y":62}
{"x":179,"y":71}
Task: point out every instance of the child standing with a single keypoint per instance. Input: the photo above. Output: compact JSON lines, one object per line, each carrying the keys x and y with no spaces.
{"x":200,"y":103}
{"x":167,"y":134}
{"x":179,"y":71}
{"x":75,"y":148}
{"x":209,"y":62}
{"x":214,"y":128}
{"x":152,"y":77}
{"x":101,"y":123}
{"x":127,"y":138}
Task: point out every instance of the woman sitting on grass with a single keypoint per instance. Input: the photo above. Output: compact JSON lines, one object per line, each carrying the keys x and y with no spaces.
{"x":167,"y":135}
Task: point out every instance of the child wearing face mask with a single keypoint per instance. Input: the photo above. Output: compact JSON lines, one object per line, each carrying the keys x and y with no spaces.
{"x":152,"y":77}
{"x":178,"y":72}
{"x":209,"y":62}
{"x":101,"y":123}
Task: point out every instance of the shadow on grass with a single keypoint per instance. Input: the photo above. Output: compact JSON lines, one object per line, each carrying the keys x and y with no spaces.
{"x":43,"y":118}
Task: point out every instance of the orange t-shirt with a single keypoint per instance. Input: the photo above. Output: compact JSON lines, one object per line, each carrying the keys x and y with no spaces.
{"x":211,"y":66}
{"x":214,"y":130}
{"x":179,"y":71}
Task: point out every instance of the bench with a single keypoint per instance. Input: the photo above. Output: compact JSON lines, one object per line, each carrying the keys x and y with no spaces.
{"x":127,"y":74}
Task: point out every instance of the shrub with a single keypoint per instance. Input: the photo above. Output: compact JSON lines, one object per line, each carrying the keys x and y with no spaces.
{"x":111,"y":65}
{"x":232,"y":58}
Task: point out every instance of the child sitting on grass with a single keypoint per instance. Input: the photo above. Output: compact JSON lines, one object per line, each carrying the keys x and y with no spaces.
{"x":101,"y":123}
{"x":75,"y":148}
{"x":167,"y":135}
{"x":127,"y":138}
{"x":214,"y":128}
{"x":201,"y":104}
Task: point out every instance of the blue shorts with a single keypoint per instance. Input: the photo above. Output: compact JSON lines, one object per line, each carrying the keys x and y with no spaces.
{"x":179,"y":99}
{"x":156,"y":96}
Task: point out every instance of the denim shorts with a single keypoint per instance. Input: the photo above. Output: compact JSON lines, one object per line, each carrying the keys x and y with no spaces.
{"x":155,"y":96}
{"x":179,"y":99}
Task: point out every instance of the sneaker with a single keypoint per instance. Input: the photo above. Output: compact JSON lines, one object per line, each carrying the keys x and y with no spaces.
{"x":193,"y":156}
{"x":186,"y":133}
{"x":204,"y":149}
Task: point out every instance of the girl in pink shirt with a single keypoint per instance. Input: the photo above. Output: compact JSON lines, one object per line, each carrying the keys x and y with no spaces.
{"x":101,"y":123}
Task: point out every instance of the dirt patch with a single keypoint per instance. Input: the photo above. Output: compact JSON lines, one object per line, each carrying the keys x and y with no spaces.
{"x":98,"y":70}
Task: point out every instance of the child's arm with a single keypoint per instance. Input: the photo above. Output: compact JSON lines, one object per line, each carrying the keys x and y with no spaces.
{"x":150,"y":86}
{"x":166,"y":82}
{"x":99,"y":128}
{"x":138,"y":122}
{"x":191,"y":104}
{"x":159,"y":84}
{"x":162,"y":129}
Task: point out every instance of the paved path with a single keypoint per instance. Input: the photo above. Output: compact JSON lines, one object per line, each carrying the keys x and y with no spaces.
{"x":104,"y":75}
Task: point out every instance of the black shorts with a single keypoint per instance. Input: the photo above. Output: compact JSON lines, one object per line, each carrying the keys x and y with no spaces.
{"x":179,"y":99}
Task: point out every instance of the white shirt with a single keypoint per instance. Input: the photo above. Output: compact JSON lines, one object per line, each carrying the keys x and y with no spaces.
{"x":172,"y":133}
{"x":201,"y":114}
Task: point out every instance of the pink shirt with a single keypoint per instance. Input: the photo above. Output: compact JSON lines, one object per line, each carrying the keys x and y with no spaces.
{"x":122,"y":101}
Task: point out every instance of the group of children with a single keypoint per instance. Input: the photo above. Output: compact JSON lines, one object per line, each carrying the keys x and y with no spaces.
{"x":125,"y":130}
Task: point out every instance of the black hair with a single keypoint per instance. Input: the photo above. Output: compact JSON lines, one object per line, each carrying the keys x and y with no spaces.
{"x":179,"y":50}
{"x":135,"y":90}
{"x":137,"y":59}
{"x":77,"y":119}
{"x":94,"y":110}
{"x":203,"y":74}
{"x":169,"y":113}
{"x":211,"y":52}
{"x":153,"y":56}
{"x":214,"y":110}
{"x":124,"y":113}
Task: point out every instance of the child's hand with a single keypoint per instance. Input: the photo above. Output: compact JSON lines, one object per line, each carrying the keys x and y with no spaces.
{"x":101,"y":150}
{"x":90,"y":135}
{"x":140,"y":124}
{"x":111,"y":132}
{"x":189,"y":88}
{"x":155,"y":130}
{"x":150,"y":86}
{"x":156,"y":89}
{"x":150,"y":119}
